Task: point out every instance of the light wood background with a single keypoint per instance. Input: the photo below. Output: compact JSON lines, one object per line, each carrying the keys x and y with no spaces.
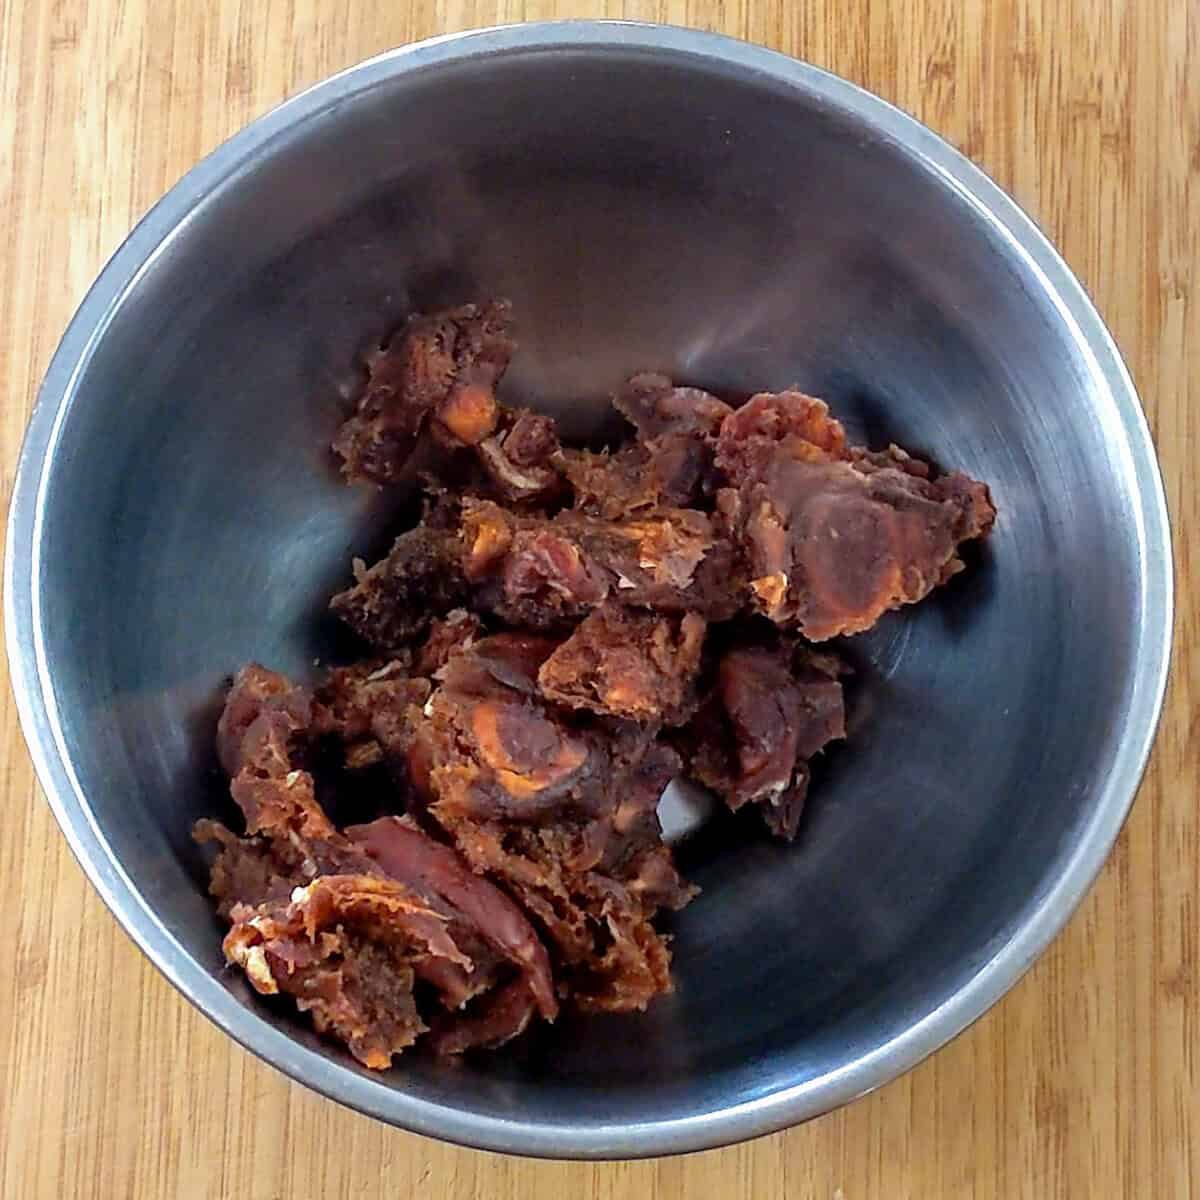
{"x":1084,"y":1081}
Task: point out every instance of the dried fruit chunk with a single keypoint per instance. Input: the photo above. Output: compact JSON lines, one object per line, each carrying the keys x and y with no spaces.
{"x":833,"y":537}
{"x":521,"y":457}
{"x":441,"y":368}
{"x":368,"y":707}
{"x":656,"y":408}
{"x":626,"y":663}
{"x":770,"y":423}
{"x":671,"y":463}
{"x":344,"y":948}
{"x":394,"y":601}
{"x":494,"y":753}
{"x":543,"y":571}
{"x":773,"y":708}
{"x":562,"y":815}
{"x":345,"y":924}
{"x":405,"y":853}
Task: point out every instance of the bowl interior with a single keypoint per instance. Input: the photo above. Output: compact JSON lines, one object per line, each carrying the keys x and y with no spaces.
{"x":642,"y":211}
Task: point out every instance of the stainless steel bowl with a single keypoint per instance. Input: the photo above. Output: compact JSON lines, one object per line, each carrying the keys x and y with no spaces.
{"x":648,"y":198}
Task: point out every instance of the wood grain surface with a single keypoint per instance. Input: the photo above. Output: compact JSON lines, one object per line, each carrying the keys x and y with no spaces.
{"x":1084,"y":1081}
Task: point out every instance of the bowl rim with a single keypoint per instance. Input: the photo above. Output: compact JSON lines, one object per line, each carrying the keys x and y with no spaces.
{"x":703,"y":1129}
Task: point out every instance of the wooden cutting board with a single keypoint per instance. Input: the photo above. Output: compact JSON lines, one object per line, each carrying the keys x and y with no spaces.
{"x":1084,"y":1081}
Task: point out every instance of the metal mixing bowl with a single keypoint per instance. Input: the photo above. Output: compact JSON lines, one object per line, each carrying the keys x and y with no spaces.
{"x":648,"y":198}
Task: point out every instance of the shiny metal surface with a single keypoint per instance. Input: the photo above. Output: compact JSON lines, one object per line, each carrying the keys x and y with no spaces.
{"x":648,"y":198}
